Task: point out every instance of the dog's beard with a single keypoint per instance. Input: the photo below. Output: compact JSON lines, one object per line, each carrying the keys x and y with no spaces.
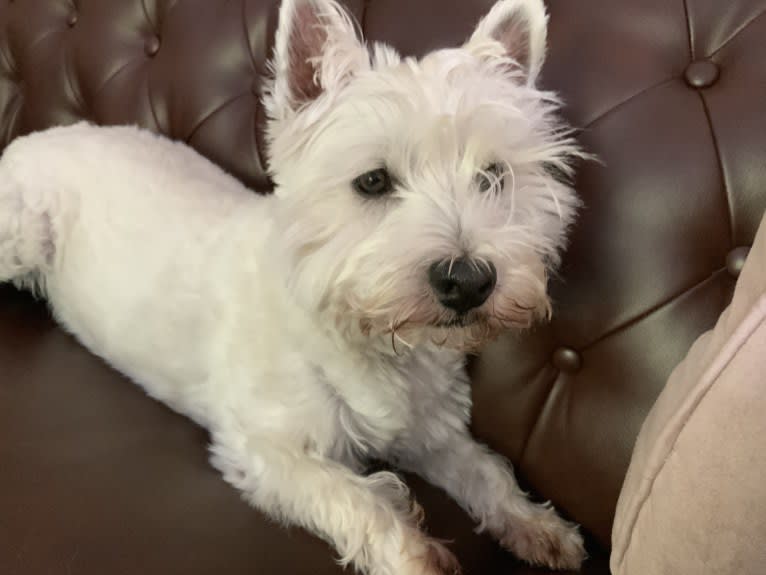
{"x":465,"y":332}
{"x":409,"y":322}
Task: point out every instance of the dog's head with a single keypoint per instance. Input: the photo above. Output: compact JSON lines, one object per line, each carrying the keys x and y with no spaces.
{"x":418,"y":199}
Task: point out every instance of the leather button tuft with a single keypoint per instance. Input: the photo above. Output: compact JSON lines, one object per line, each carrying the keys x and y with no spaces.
{"x":701,"y":74}
{"x":255,"y":87}
{"x":735,"y":260}
{"x":72,"y":19}
{"x":152,"y":46}
{"x":567,"y":360}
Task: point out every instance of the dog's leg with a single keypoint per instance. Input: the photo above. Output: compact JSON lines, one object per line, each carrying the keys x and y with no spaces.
{"x":26,"y":242}
{"x":484,"y":485}
{"x":370,"y":520}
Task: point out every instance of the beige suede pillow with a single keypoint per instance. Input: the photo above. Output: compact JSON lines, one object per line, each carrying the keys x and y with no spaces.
{"x":694,"y":499}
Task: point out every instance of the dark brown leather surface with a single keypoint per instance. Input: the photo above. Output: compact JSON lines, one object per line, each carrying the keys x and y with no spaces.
{"x":95,"y":478}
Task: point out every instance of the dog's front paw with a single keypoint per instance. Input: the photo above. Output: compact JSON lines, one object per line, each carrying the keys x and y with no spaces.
{"x":545,"y":539}
{"x":429,"y":557}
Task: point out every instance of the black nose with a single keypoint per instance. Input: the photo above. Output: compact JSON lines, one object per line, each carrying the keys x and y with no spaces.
{"x":462,"y":284}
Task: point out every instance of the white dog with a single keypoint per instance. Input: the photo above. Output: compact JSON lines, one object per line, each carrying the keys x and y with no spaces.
{"x":415,"y":216}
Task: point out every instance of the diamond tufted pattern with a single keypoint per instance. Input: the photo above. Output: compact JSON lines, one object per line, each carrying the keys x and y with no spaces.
{"x":670,"y":94}
{"x":191,"y":69}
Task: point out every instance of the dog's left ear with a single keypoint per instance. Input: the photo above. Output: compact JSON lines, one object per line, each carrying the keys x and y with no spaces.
{"x":520,"y":26}
{"x":316,"y":50}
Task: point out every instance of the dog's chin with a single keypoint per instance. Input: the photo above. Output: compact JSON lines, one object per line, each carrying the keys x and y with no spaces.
{"x":470,"y":333}
{"x":466,"y":332}
{"x":408,"y":325}
{"x":458,"y":321}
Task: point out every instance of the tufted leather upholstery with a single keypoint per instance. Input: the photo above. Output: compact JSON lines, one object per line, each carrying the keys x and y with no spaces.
{"x":96,"y":478}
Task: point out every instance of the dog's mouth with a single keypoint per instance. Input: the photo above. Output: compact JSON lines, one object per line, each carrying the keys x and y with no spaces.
{"x":457,"y":321}
{"x":423,"y":319}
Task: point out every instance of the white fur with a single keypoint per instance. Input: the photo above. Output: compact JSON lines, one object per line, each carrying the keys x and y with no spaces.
{"x":300,"y":329}
{"x":520,"y":27}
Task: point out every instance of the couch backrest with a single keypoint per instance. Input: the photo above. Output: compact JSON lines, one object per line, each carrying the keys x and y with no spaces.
{"x":670,"y":95}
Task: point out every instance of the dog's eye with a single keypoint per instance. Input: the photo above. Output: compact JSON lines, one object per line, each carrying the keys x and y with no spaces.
{"x":374,"y":183}
{"x":494,"y":172}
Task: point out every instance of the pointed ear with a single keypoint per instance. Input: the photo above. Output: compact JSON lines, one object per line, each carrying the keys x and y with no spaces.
{"x":316,"y":50}
{"x":520,"y":26}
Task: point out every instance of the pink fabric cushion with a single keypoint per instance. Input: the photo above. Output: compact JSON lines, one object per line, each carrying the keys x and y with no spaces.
{"x":694,"y":499}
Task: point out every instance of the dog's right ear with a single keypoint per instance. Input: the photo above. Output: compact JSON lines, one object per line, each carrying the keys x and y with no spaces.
{"x":316,"y":50}
{"x":520,"y":27}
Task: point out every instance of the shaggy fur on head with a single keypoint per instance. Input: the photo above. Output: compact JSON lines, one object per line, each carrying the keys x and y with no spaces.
{"x":306,"y":330}
{"x":435,"y":124}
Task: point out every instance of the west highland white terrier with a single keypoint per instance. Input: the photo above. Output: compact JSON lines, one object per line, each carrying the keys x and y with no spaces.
{"x":416,"y":215}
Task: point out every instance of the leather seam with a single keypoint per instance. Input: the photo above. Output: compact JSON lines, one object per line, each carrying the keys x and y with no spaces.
{"x":539,"y":414}
{"x":719,"y":161}
{"x":152,"y":24}
{"x":199,"y":123}
{"x":627,"y":100}
{"x":41,"y":38}
{"x":8,"y":61}
{"x":738,"y":32}
{"x":76,"y":94}
{"x":14,"y":117}
{"x":653,"y":309}
{"x":246,"y":32}
{"x":116,"y":73}
{"x":151,"y":104}
{"x":689,"y":29}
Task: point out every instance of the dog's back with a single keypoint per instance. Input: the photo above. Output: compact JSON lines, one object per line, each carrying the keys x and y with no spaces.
{"x":99,"y":220}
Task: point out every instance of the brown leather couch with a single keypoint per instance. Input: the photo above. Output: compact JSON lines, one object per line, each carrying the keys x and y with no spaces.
{"x":97,"y":479}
